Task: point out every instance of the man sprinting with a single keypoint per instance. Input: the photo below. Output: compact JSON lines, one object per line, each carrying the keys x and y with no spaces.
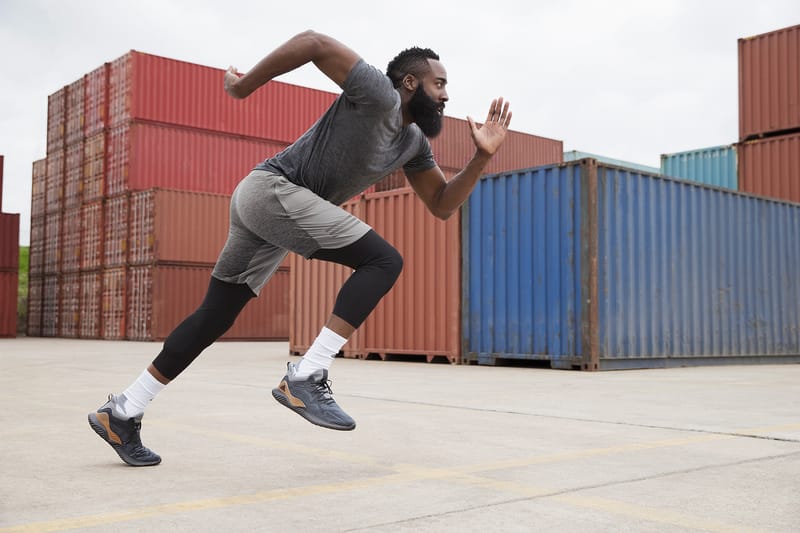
{"x":290,"y":203}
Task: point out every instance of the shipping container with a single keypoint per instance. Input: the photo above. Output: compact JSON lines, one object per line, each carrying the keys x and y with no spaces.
{"x":715,"y":166}
{"x":90,"y":304}
{"x":9,"y":281}
{"x":54,"y":196}
{"x":158,"y":89}
{"x":771,"y":167}
{"x":143,"y":156}
{"x":36,"y":250}
{"x":76,"y":96}
{"x":161,"y":296}
{"x":73,"y":176}
{"x":769,"y":83}
{"x":177,"y":226}
{"x":56,"y":120}
{"x":592,"y":266}
{"x":574,"y":155}
{"x":92,"y":236}
{"x":69,"y":321}
{"x":94,"y":167}
{"x":116,"y":222}
{"x":114,"y":303}
{"x":35,"y":297}
{"x":9,"y":242}
{"x":96,"y":103}
{"x":2,"y":164}
{"x":71,"y":241}
{"x":52,"y":243}
{"x":50,"y":305}
{"x":38,"y":188}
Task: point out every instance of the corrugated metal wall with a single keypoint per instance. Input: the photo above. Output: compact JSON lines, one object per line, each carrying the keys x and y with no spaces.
{"x":574,"y":155}
{"x":771,"y":167}
{"x":715,"y":166}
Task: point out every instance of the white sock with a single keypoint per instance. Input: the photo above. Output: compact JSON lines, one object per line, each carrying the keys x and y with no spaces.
{"x":321,"y":354}
{"x":140,"y":393}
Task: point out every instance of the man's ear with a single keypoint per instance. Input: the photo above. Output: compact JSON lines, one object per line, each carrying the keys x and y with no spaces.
{"x":410,"y":82}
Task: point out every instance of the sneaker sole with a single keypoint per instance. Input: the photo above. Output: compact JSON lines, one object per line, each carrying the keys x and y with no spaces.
{"x":103,"y":432}
{"x":283,"y":400}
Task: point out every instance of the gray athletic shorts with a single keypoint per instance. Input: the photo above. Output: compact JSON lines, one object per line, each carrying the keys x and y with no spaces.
{"x":270,"y":217}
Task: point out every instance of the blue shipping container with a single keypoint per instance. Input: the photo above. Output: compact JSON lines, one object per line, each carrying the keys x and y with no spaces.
{"x":714,"y":166}
{"x":593,"y":266}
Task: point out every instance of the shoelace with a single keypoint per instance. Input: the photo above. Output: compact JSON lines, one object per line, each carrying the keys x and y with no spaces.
{"x":324,"y":389}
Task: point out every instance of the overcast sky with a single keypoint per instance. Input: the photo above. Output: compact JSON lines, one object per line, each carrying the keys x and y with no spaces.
{"x":624,"y":79}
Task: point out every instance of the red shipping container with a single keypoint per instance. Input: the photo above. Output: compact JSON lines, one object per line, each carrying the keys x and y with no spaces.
{"x":116,"y":219}
{"x":50,"y":305}
{"x":9,"y":283}
{"x":54,"y":198}
{"x":35,"y":296}
{"x":76,"y":97}
{"x":38,"y":188}
{"x":161,"y":296}
{"x":52,"y":243}
{"x":36,"y":250}
{"x":56,"y":120}
{"x":94,"y":160}
{"x":9,"y":242}
{"x":771,"y":167}
{"x":153,"y":88}
{"x":1,"y":180}
{"x":92,"y":236}
{"x":70,"y":305}
{"x":90,"y":303}
{"x":96,"y":103}
{"x":769,"y":83}
{"x":114,"y":303}
{"x":142,"y":156}
{"x":177,"y":227}
{"x":73,"y":176}
{"x":71,"y":241}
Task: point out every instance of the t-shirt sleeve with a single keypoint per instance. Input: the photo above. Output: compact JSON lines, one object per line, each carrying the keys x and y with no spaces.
{"x":368,"y":86}
{"x":423,"y":160}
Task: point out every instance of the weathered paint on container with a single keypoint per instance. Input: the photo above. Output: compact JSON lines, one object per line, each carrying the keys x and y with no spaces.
{"x":56,"y":120}
{"x":54,"y":196}
{"x":94,"y":159}
{"x":9,"y":241}
{"x":76,"y":96}
{"x":177,"y":226}
{"x":771,"y":167}
{"x":52,"y":243}
{"x":158,"y":89}
{"x":38,"y":187}
{"x":96,"y":102}
{"x":114,"y":303}
{"x":90,"y":304}
{"x":35,"y":295}
{"x":36,"y":250}
{"x":186,"y":159}
{"x":50,"y":305}
{"x":73,"y":176}
{"x":769,"y":83}
{"x":161,"y":296}
{"x":69,"y":321}
{"x":2,"y":165}
{"x":715,"y":166}
{"x":574,"y":155}
{"x":71,"y":241}
{"x":116,"y":221}
{"x":9,"y":283}
{"x":92,"y":236}
{"x":646,"y":271}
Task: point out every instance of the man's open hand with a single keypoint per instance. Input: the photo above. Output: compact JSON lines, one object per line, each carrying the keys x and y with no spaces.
{"x":492,"y":133}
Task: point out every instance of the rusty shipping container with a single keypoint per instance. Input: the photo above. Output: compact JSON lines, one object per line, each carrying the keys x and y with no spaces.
{"x":9,"y":241}
{"x":76,"y":96}
{"x":38,"y":187}
{"x":36,"y":250}
{"x":142,"y":156}
{"x":114,"y":303}
{"x":54,"y":195}
{"x":158,"y":89}
{"x":769,"y":83}
{"x":56,"y":120}
{"x":169,"y":226}
{"x":92,"y":236}
{"x":35,"y":296}
{"x":69,"y":307}
{"x":96,"y":101}
{"x":90,"y":304}
{"x":9,"y":282}
{"x":771,"y":167}
{"x":94,"y":167}
{"x":116,"y":221}
{"x":73,"y":176}
{"x":71,"y":241}
{"x":52,"y":243}
{"x":50,"y":305}
{"x":161,"y":296}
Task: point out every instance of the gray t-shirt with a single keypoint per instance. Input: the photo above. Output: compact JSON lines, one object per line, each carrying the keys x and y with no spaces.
{"x":359,"y":140}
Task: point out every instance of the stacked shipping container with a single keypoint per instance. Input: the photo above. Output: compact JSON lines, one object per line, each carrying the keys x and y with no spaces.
{"x":716,"y":166}
{"x":9,"y":267}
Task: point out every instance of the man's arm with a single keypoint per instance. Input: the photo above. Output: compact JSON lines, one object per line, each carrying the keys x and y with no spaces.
{"x":334,"y":59}
{"x":442,"y":197}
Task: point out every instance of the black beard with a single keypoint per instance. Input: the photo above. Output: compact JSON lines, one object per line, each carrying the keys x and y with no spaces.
{"x":425,"y":112}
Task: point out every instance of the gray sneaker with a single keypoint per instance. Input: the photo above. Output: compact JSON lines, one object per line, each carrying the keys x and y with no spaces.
{"x":123,"y":434}
{"x":312,"y":399}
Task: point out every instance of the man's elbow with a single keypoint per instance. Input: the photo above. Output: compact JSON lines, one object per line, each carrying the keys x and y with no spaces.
{"x":442,"y":214}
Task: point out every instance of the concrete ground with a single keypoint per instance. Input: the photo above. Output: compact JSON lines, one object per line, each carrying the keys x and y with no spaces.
{"x":437,"y":447}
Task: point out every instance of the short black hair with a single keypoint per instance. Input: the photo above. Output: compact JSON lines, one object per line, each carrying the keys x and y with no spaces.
{"x":412,"y":60}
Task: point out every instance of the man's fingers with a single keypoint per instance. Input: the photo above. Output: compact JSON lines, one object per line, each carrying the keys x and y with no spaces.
{"x":492,"y":111}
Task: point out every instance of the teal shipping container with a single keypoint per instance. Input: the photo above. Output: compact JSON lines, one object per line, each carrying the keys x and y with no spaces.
{"x":574,"y":155}
{"x":715,"y":166}
{"x":593,"y":266}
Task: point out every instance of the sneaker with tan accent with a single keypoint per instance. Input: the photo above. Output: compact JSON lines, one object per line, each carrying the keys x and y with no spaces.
{"x":123,"y":434}
{"x":312,"y":399}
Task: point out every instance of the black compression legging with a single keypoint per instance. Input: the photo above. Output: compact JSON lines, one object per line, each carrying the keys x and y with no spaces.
{"x":376,"y":263}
